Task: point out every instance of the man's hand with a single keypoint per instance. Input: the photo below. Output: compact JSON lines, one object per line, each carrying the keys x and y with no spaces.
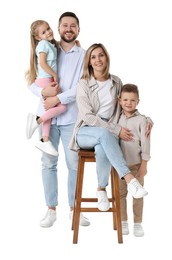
{"x":50,"y":102}
{"x":51,"y":90}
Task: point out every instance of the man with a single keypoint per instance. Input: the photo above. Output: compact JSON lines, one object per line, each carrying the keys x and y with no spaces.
{"x":70,"y":63}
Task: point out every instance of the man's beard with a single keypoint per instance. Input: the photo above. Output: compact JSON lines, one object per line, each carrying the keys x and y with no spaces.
{"x":68,"y":40}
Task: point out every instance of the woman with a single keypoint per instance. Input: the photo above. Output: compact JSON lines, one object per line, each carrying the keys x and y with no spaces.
{"x":96,"y":126}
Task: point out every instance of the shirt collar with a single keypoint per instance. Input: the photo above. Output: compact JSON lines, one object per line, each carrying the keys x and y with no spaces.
{"x":75,"y":48}
{"x":136,"y":113}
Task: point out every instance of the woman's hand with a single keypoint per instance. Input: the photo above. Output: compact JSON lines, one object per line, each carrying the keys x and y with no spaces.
{"x":148,"y":129}
{"x":125,"y":134}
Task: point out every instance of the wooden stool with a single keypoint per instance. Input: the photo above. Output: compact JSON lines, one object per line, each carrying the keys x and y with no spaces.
{"x":89,"y":156}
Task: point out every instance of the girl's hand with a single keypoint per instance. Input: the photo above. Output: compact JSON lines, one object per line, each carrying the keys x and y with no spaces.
{"x":56,"y":81}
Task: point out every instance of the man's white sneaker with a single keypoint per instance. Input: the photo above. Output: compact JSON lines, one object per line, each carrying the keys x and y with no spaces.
{"x":49,"y":218}
{"x":46,"y":147}
{"x":125,"y":229}
{"x":138,"y":230}
{"x":136,"y":189}
{"x":31,"y":125}
{"x":103,"y":202}
{"x":83,"y":220}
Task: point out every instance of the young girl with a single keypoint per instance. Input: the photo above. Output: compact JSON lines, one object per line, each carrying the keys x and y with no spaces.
{"x":43,"y":71}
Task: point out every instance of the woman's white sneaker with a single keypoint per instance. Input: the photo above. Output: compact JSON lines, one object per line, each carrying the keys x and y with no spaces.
{"x":103,"y":202}
{"x":136,"y":189}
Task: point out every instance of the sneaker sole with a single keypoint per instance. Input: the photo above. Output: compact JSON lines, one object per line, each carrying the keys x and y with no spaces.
{"x":136,"y":235}
{"x":28,"y":126}
{"x":45,"y":151}
{"x":104,"y":209}
{"x":44,"y":226}
{"x":139,"y":197}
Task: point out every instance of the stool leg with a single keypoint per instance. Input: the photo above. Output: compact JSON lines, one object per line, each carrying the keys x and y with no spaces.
{"x":78,"y":196}
{"x":118,"y":209}
{"x":76,"y":192}
{"x":113,"y":200}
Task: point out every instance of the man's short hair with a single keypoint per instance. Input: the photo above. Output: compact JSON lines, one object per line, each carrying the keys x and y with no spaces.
{"x":69,"y":14}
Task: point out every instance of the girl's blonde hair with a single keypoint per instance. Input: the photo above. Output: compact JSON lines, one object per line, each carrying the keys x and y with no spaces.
{"x":87,"y":68}
{"x":30,"y":74}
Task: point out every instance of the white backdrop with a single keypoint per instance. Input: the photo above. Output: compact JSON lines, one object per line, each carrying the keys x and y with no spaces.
{"x":137,"y":35}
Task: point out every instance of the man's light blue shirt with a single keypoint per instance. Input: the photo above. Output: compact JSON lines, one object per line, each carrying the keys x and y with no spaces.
{"x":69,"y":67}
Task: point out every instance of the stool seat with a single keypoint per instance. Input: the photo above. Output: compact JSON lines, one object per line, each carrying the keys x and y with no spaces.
{"x":89,"y":156}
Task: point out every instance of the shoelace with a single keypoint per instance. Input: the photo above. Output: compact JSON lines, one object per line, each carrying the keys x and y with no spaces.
{"x":138,"y":226}
{"x":136,"y":185}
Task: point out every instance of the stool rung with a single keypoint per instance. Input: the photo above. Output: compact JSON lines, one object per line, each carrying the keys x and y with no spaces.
{"x":96,"y":210}
{"x":92,"y":199}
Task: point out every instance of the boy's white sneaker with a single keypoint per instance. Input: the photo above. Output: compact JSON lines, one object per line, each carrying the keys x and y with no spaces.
{"x":47,"y":147}
{"x":103,"y":202}
{"x":31,"y":125}
{"x":136,"y":189}
{"x":125,"y":229}
{"x":138,"y":230}
{"x":49,"y":219}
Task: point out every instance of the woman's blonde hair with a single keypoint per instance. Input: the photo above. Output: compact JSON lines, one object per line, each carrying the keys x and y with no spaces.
{"x":87,"y":68}
{"x":30,"y":74}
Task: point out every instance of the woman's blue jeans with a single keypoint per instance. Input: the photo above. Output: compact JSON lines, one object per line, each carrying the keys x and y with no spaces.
{"x":107,"y":151}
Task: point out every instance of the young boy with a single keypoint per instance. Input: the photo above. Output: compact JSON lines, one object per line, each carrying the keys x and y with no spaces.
{"x":136,"y":153}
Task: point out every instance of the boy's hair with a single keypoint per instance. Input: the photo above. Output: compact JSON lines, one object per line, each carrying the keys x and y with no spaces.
{"x":69,"y":14}
{"x":130,"y":88}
